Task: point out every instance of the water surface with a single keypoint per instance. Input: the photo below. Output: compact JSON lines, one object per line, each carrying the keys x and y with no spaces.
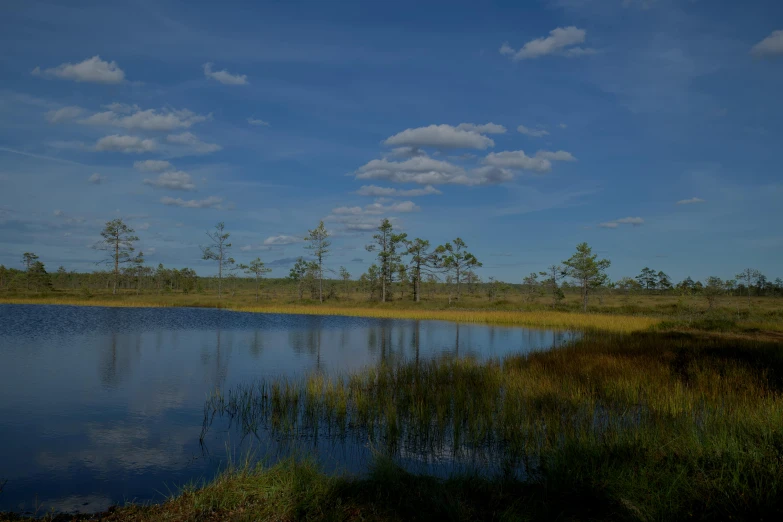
{"x":100,"y":406}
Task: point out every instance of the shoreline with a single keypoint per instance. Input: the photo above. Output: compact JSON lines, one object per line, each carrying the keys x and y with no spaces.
{"x":548,"y":319}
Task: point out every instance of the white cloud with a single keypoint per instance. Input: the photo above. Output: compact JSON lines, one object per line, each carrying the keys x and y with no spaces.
{"x":224,"y":76}
{"x":210,"y":202}
{"x":563,"y":126}
{"x":634,"y":221}
{"x":189,"y":140}
{"x":428,"y":171}
{"x":132,"y":118}
{"x":251,"y":248}
{"x":690,"y":201}
{"x":389,"y":192}
{"x":93,"y":70}
{"x":559,"y":155}
{"x":262,"y":123}
{"x":143,"y":226}
{"x":173,"y":180}
{"x":125,"y":144}
{"x":421,"y":170}
{"x":405,"y":152}
{"x":152,"y":165}
{"x":361,"y":227}
{"x":96,"y":179}
{"x":356,"y":223}
{"x":440,"y":136}
{"x":561,"y":41}
{"x":282,"y":240}
{"x":535,"y":133}
{"x":517,"y":159}
{"x":64,"y":114}
{"x":377,"y":208}
{"x":772,"y":45}
{"x":485,"y":128}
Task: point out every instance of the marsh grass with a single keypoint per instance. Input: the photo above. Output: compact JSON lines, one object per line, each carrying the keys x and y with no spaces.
{"x":664,"y":425}
{"x":534,"y":318}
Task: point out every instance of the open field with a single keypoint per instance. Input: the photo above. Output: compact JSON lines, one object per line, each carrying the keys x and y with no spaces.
{"x":643,"y":426}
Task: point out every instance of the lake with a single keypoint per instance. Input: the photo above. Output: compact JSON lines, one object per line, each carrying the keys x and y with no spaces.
{"x":99,"y":406}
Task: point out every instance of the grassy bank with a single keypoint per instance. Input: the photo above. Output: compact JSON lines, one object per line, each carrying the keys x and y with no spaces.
{"x":534,"y":318}
{"x":617,"y":313}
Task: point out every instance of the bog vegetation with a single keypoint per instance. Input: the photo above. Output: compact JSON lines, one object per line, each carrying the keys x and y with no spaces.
{"x":406,"y":271}
{"x":670,"y":406}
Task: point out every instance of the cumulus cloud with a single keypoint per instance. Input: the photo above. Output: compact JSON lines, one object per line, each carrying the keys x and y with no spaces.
{"x":440,"y":136}
{"x":428,"y":171}
{"x":282,"y":240}
{"x":421,"y":170}
{"x":152,"y":165}
{"x":195,"y":145}
{"x":355,"y":223}
{"x":389,"y":192}
{"x":559,"y":155}
{"x":224,"y":76}
{"x":173,"y":180}
{"x":125,"y":144}
{"x":133,"y":118}
{"x":210,"y":202}
{"x":485,"y":128}
{"x":96,"y":179}
{"x":517,"y":159}
{"x":377,"y":208}
{"x":561,"y":41}
{"x":92,"y":70}
{"x":634,"y":221}
{"x":535,"y":133}
{"x":251,"y":248}
{"x":254,"y":121}
{"x":405,"y":152}
{"x":772,"y":45}
{"x":64,"y":114}
{"x":690,"y":201}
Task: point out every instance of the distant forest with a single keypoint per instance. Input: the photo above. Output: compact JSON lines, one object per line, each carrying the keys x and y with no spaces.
{"x":404,"y":268}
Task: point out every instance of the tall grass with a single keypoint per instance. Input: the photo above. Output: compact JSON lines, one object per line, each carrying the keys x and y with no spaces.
{"x":666,"y":425}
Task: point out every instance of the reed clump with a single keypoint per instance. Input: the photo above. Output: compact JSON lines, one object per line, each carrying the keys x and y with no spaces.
{"x":668,"y":425}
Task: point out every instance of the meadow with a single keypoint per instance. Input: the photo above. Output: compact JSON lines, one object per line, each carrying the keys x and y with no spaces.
{"x":665,"y":409}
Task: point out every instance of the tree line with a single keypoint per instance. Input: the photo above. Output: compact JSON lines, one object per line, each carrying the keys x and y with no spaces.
{"x":402,"y":263}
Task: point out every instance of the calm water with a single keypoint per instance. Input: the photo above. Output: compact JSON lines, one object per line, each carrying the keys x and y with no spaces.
{"x":104,"y":405}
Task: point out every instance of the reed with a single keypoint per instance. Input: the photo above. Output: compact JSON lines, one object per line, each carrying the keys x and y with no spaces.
{"x":668,"y":425}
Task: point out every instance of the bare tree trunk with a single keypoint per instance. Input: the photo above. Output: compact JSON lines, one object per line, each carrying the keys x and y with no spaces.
{"x":116,"y":264}
{"x":220,"y":275}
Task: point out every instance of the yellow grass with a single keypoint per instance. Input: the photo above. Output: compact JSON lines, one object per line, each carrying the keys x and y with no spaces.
{"x":534,"y":319}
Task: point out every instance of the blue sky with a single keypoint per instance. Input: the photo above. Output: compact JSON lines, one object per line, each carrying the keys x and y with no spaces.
{"x":649,"y":128}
